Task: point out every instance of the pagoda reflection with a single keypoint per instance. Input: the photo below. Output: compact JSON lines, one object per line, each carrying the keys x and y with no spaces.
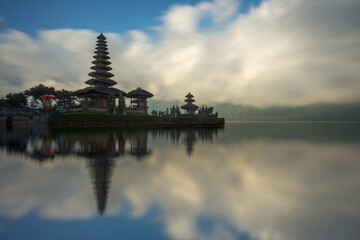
{"x":188,"y":136}
{"x":99,"y":148}
{"x":139,"y":145}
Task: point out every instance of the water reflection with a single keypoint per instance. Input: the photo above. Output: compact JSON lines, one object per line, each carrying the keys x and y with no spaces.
{"x":100,"y":148}
{"x":247,"y":181}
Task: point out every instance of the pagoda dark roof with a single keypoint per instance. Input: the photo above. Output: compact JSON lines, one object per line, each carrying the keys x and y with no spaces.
{"x":189,"y":100}
{"x":101,"y":59}
{"x":101,"y":68}
{"x":97,"y":62}
{"x":101,"y":75}
{"x":100,"y":90}
{"x":139,"y":92}
{"x":101,"y":36}
{"x":189,"y":95}
{"x":101,"y":52}
{"x":189,"y":106}
{"x":101,"y":47}
{"x":107,"y":82}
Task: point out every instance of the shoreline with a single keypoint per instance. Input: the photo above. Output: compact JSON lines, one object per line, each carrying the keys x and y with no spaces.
{"x":95,"y":120}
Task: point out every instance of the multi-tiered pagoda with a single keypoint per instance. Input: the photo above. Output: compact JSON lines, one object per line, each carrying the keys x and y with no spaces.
{"x":101,"y":93}
{"x":189,"y":107}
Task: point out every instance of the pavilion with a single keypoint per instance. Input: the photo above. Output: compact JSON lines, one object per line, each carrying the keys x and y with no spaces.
{"x":138,"y":100}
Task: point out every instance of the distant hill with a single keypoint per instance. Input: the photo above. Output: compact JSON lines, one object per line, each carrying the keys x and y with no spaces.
{"x":314,"y":112}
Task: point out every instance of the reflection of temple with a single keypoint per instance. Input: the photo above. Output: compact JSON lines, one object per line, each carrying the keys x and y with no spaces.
{"x":194,"y":135}
{"x":188,"y":136}
{"x":190,"y":139}
{"x":100,"y":149}
{"x":138,"y":145}
{"x":101,"y":172}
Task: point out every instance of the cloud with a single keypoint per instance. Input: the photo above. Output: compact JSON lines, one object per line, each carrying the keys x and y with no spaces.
{"x":280,"y":53}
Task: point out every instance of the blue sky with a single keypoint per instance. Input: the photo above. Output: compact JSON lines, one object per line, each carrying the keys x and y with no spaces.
{"x":261,"y":53}
{"x":100,"y":16}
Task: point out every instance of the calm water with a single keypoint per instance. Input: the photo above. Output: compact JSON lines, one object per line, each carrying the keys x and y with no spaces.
{"x":246,"y":181}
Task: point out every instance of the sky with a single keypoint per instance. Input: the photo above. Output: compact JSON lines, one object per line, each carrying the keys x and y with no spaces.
{"x":252,"y":52}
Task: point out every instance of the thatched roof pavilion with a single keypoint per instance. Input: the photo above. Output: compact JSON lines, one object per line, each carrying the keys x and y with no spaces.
{"x":138,"y":100}
{"x":139,"y":93}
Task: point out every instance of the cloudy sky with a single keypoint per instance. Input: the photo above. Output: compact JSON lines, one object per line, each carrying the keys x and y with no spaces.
{"x":272,"y":52}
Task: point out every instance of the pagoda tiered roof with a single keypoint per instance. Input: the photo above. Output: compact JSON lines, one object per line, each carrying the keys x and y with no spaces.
{"x":101,"y":82}
{"x":189,"y":106}
{"x":101,"y":91}
{"x":139,"y":93}
{"x":189,"y":95}
{"x":189,"y":102}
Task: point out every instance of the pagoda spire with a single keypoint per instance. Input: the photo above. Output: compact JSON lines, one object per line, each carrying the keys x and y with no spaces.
{"x":100,"y":74}
{"x":101,"y":172}
{"x":189,"y":98}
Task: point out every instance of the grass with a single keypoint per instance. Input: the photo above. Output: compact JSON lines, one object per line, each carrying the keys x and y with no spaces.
{"x":101,"y":119}
{"x":195,"y":120}
{"x":104,"y":120}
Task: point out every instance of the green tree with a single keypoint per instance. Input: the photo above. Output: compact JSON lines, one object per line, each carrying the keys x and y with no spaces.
{"x":17,"y":99}
{"x":65,"y":99}
{"x":36,"y":92}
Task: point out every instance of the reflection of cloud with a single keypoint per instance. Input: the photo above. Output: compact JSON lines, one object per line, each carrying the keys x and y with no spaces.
{"x":269,"y":190}
{"x":283,"y":52}
{"x":55,"y":190}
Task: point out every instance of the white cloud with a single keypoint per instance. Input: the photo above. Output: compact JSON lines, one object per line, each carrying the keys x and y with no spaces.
{"x":280,"y":53}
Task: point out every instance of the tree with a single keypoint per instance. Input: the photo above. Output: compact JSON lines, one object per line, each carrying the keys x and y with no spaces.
{"x":17,"y":99}
{"x":65,"y":99}
{"x":38,"y":91}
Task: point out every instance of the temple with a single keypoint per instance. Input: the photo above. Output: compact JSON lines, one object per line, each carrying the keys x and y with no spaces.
{"x":189,"y":107}
{"x":138,"y":100}
{"x":101,"y":95}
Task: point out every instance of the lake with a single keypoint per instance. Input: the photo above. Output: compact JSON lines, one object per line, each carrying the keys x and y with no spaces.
{"x":248,"y":180}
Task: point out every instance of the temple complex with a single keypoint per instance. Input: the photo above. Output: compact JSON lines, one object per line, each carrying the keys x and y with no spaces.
{"x":101,"y":94}
{"x":189,"y":107}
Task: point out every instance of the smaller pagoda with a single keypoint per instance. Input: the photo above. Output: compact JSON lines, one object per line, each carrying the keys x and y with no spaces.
{"x":101,"y":93}
{"x":189,"y":107}
{"x":138,"y":100}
